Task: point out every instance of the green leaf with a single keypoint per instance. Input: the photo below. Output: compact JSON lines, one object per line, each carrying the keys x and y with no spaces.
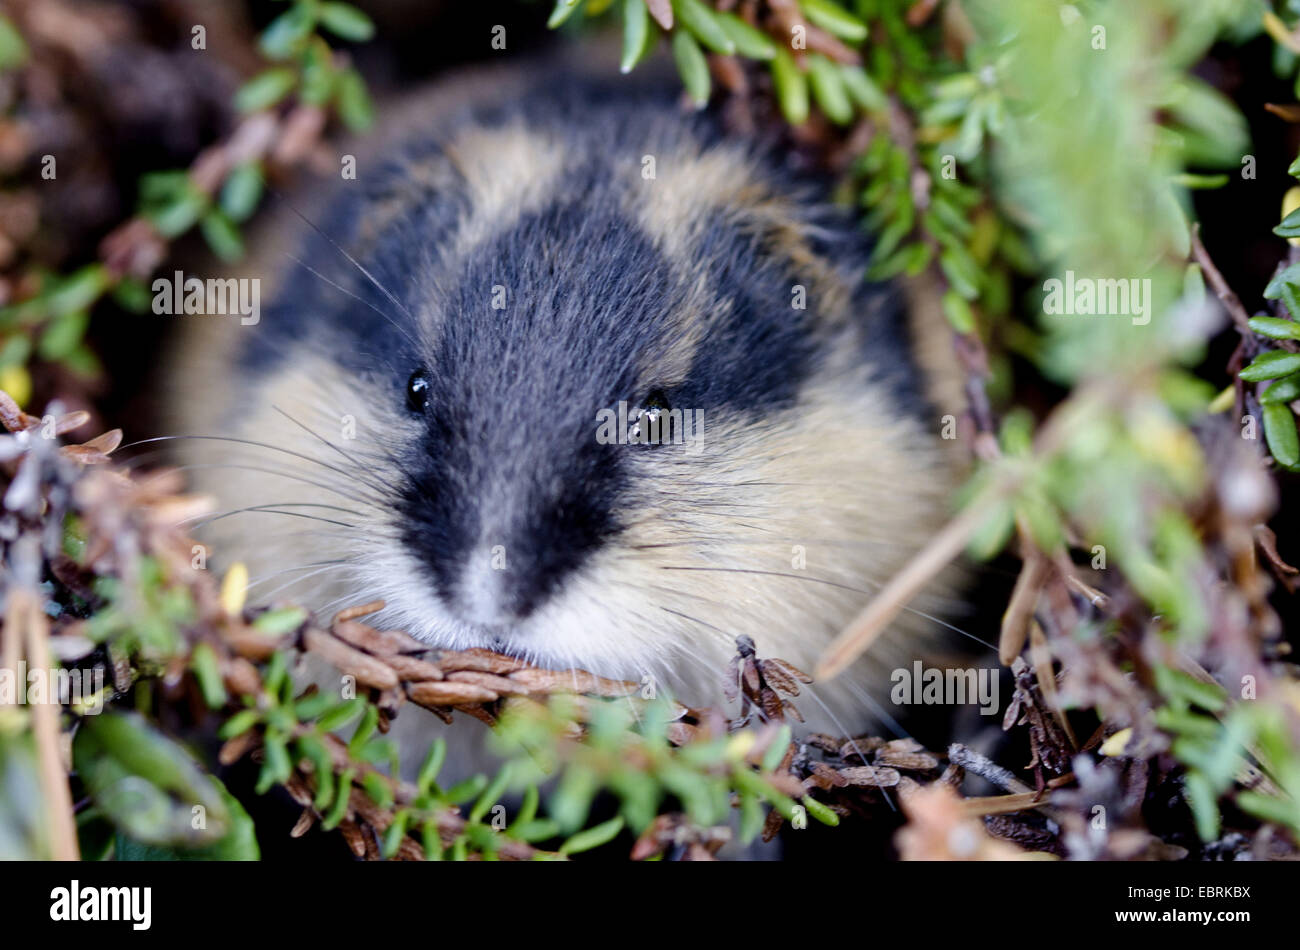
{"x":1204,"y":804}
{"x":993,"y":533}
{"x":379,"y":791}
{"x":491,"y":794}
{"x":1275,"y":329}
{"x":1290,"y":226}
{"x":395,"y":832}
{"x":365,"y":728}
{"x":285,"y":33}
{"x":239,"y":723}
{"x":1280,"y":431}
{"x":14,"y":351}
{"x":1200,"y":182}
{"x":1270,"y":808}
{"x":178,"y":216}
{"x":1174,"y":219}
{"x":820,"y":811}
{"x":692,"y":67}
{"x":239,"y":843}
{"x":163,"y":187}
{"x":1194,"y":284}
{"x":203,"y":660}
{"x":265,"y":89}
{"x":432,"y":765}
{"x":593,"y":837}
{"x":282,"y":620}
{"x":346,"y":21}
{"x":960,"y":271}
{"x":353,"y":101}
{"x":466,"y":789}
{"x":1271,"y":365}
{"x":958,"y":312}
{"x":222,"y":235}
{"x":563,"y":10}
{"x":79,"y":291}
{"x":1287,"y":275}
{"x":146,"y":784}
{"x":1176,"y":684}
{"x":339,"y":809}
{"x":776,"y":751}
{"x":791,"y":87}
{"x":751,"y":817}
{"x":748,"y":41}
{"x":62,"y":336}
{"x":342,"y":714}
{"x":834,"y":19}
{"x":431,"y":840}
{"x":528,"y":809}
{"x":918,"y":255}
{"x":572,"y":799}
{"x":891,"y":266}
{"x":319,"y":75}
{"x":1213,"y":131}
{"x":312,"y":704}
{"x":829,"y":90}
{"x":242,"y":191}
{"x":1290,"y":296}
{"x":863,"y":90}
{"x":133,"y":295}
{"x":13,"y":48}
{"x":83,"y":362}
{"x":537,"y":829}
{"x":703,"y":23}
{"x":313,"y":749}
{"x":636,"y":33}
{"x":276,"y":766}
{"x":747,"y":780}
{"x":1285,"y":390}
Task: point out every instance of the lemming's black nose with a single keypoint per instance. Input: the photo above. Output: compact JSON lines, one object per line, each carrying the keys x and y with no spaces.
{"x":498,"y":556}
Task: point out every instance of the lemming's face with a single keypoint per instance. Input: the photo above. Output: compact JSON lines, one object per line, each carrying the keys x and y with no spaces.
{"x":589,"y":417}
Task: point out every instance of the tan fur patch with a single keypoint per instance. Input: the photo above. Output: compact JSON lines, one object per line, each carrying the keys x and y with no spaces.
{"x":509,"y":172}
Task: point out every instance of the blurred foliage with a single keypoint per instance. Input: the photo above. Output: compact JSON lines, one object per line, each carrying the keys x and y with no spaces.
{"x":50,"y":323}
{"x":1013,"y":141}
{"x":1067,"y":138}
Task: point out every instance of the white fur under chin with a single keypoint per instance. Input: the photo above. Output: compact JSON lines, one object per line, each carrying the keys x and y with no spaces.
{"x":654,"y":643}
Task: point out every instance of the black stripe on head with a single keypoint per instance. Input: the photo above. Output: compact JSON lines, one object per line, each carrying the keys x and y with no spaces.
{"x":358,"y":322}
{"x":510,"y":455}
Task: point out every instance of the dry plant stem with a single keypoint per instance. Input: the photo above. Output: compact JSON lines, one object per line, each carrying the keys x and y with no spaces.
{"x":943,"y":548}
{"x":1008,"y":804}
{"x":45,"y":727}
{"x":11,"y":648}
{"x":1020,"y":609}
{"x":1002,"y":804}
{"x":1022,"y":796}
{"x":1221,"y":289}
{"x":972,"y":761}
{"x":1041,"y":655}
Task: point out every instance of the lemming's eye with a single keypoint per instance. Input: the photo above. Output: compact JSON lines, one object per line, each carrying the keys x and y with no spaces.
{"x":417,"y":390}
{"x":656,"y":402}
{"x":652,"y":423}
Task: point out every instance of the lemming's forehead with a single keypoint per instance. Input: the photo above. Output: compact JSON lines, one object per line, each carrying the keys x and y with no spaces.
{"x":575,"y":304}
{"x":568,"y":286}
{"x":517,"y":260}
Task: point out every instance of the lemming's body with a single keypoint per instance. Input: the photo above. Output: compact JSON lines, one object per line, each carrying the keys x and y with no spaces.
{"x":526,"y":278}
